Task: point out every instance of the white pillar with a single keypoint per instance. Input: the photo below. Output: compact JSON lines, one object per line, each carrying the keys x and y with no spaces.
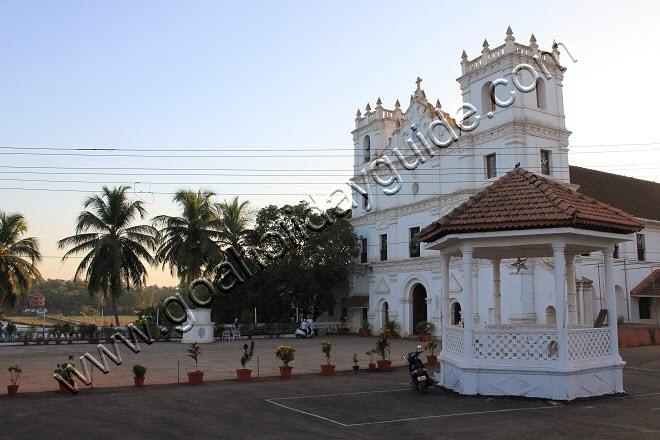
{"x":560,"y":301}
{"x":610,"y":300}
{"x":468,"y":350}
{"x":570,"y":290}
{"x":497,"y":292}
{"x":444,"y":262}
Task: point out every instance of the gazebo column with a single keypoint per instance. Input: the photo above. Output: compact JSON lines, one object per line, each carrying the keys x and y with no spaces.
{"x":444,"y":262}
{"x":560,"y":301}
{"x":610,"y":300}
{"x":468,"y":318}
{"x":497,"y":292}
{"x":570,"y":290}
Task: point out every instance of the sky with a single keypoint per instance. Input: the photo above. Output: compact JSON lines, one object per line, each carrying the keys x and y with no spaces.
{"x":275,"y":76}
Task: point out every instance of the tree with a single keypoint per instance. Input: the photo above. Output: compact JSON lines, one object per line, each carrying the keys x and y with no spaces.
{"x":188,"y":243}
{"x":233,"y":221}
{"x":307,"y":276}
{"x":18,"y":258}
{"x":115,"y":250}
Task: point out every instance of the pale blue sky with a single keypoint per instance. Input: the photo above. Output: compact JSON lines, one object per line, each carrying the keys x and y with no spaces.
{"x":271,"y":75}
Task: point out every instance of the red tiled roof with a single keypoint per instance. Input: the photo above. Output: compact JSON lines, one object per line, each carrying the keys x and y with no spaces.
{"x":650,"y":286}
{"x":356,"y":301}
{"x":522,"y":200}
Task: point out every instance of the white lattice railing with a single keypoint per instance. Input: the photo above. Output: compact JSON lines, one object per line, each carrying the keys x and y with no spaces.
{"x":515,"y":345}
{"x":454,"y":343}
{"x":589,"y":343}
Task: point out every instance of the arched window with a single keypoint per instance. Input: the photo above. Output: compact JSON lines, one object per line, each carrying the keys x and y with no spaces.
{"x":455,"y":314}
{"x":367,"y":148}
{"x":540,"y":93}
{"x":487,"y":98}
{"x":550,"y":315}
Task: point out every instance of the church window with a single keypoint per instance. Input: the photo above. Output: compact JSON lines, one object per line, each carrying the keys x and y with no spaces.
{"x":616,"y":251}
{"x":363,"y":251}
{"x":414,"y":242}
{"x":491,"y":166}
{"x":545,"y":162}
{"x":383,"y":247}
{"x":540,"y":94}
{"x":641,"y":247}
{"x":487,"y":98}
{"x":367,"y":148}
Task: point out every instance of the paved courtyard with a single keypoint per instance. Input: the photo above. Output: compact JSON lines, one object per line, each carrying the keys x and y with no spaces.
{"x":364,"y":405}
{"x":218,"y":361}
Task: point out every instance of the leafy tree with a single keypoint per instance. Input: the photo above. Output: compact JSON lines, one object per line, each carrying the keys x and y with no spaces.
{"x":188,"y":243}
{"x":115,"y":249}
{"x":18,"y":258}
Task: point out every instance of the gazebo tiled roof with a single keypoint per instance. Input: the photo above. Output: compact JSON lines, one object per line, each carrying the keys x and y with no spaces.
{"x":522,"y":200}
{"x":650,"y":286}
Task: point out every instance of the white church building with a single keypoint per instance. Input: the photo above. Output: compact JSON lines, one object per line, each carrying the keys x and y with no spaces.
{"x":404,"y":280}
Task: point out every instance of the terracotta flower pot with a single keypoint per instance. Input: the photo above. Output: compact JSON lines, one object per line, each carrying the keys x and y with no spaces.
{"x":58,"y":341}
{"x":65,"y":390}
{"x":364,"y":333}
{"x":38,"y":342}
{"x":46,"y":341}
{"x":327,"y":370}
{"x":70,"y":341}
{"x":384,"y":365}
{"x":12,"y":389}
{"x":431,"y":360}
{"x":139,"y":381}
{"x":243,"y":374}
{"x":26,"y":342}
{"x":424,"y":337}
{"x":195,"y":377}
{"x":356,"y":367}
{"x":372,"y":366}
{"x":285,"y":371}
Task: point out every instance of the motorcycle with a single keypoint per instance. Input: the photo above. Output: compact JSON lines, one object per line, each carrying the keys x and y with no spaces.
{"x":419,"y":375}
{"x":306,"y":329}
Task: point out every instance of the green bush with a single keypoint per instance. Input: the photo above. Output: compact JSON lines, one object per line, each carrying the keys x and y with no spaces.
{"x":139,"y":371}
{"x":424,"y":327}
{"x":326,"y":347}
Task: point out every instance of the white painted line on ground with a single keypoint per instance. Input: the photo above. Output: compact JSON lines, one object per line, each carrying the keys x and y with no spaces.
{"x":643,"y":369}
{"x":339,"y":394}
{"x":307,"y":413}
{"x":451,"y":415}
{"x":647,"y":394}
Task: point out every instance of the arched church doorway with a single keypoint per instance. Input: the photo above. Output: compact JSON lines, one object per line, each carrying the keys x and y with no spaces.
{"x":419,"y":306}
{"x":455,"y":313}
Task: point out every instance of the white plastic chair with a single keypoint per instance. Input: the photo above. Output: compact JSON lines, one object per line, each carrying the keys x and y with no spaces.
{"x":226,"y":335}
{"x":235,"y":334}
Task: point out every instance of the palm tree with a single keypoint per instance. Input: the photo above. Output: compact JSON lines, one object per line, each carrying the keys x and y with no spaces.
{"x":189,"y":242}
{"x":115,"y":249}
{"x":233,"y":221}
{"x":18,"y":258}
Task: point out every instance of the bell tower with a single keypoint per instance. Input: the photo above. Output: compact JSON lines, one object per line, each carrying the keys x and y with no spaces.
{"x":516,"y":94}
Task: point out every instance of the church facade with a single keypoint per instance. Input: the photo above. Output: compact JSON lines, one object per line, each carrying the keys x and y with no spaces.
{"x":428,"y":163}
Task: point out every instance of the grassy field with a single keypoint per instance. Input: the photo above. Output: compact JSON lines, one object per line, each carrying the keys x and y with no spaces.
{"x":38,"y":320}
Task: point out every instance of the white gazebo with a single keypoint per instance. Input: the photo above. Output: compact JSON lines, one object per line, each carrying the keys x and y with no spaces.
{"x":524,"y":215}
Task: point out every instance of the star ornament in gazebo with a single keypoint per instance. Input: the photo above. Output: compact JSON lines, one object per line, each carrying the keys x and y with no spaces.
{"x":520,"y":264}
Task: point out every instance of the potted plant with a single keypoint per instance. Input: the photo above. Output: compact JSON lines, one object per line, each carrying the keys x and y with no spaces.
{"x":430,"y":346}
{"x":27,"y":337}
{"x":342,"y":329}
{"x":383,"y":349}
{"x":370,"y":353}
{"x":243,"y":374}
{"x":327,"y":369}
{"x":11,"y":329}
{"x":364,"y":331}
{"x":355,"y":362}
{"x":285,"y":353}
{"x":39,"y":339}
{"x":57,"y":333}
{"x":65,"y":371}
{"x":390,"y":329}
{"x":108,"y":334}
{"x":424,"y":329}
{"x":194,"y":352}
{"x":138,"y":372}
{"x":14,"y":372}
